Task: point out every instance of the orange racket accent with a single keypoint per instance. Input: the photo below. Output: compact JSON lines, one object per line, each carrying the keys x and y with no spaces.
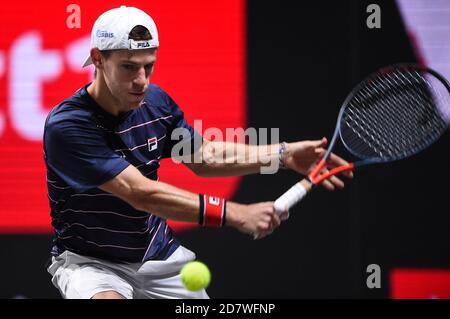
{"x":317,"y":170}
{"x":334,"y":171}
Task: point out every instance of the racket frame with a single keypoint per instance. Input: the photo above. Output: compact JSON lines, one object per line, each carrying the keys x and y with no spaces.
{"x":314,"y":176}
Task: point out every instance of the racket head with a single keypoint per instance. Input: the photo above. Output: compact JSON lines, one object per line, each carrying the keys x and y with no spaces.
{"x":394,"y":113}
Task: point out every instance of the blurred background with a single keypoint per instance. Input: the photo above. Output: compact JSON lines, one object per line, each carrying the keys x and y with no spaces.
{"x":239,"y":63}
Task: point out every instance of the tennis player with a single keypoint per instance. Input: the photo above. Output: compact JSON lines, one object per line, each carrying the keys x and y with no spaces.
{"x":102,"y":150}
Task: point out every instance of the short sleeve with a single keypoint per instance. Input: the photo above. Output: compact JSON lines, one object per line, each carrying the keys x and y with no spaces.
{"x":76,"y":150}
{"x":181,"y":134}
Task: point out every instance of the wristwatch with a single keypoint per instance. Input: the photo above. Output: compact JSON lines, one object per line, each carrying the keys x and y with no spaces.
{"x":281,"y":155}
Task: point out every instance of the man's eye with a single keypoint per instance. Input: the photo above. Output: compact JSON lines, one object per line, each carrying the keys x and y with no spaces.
{"x":128,"y":67}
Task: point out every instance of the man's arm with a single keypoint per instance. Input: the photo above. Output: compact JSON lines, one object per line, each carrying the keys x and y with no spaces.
{"x":233,"y":159}
{"x":174,"y":203}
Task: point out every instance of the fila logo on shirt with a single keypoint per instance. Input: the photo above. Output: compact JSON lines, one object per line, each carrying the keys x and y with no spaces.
{"x":152,"y":144}
{"x":214,"y":200}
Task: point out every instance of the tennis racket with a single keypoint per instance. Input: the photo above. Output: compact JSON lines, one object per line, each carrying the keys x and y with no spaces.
{"x":393,"y":114}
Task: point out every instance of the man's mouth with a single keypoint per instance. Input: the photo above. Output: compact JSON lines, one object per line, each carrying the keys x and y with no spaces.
{"x":138,"y":93}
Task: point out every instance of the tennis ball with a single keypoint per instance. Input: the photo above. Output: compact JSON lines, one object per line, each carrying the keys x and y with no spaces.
{"x":195,"y":275}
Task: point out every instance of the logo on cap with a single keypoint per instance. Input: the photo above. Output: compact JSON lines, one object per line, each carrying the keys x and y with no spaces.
{"x":140,"y":44}
{"x":143,"y":45}
{"x":104,"y":34}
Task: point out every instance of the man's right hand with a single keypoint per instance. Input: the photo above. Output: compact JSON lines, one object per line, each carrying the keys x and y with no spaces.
{"x":258,"y":219}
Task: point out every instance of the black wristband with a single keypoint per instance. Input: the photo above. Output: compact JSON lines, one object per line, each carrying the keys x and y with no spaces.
{"x":201,"y":215}
{"x":224,"y":218}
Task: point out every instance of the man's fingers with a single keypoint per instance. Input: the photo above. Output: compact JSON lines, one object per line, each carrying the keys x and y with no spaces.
{"x":332,"y":182}
{"x":276,"y":221}
{"x":268,"y":221}
{"x":261,"y":235}
{"x":320,"y":152}
{"x":284,"y":216}
{"x":336,"y":181}
{"x":328,"y":185}
{"x":336,"y":161}
{"x":319,"y":143}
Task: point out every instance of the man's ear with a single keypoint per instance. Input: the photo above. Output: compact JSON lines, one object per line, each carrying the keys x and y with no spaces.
{"x":97,"y":58}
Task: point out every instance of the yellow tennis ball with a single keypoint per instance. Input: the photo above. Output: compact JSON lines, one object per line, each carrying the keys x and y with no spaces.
{"x":195,"y":275}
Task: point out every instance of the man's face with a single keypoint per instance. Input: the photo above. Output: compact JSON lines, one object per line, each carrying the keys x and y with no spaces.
{"x":127,"y":75}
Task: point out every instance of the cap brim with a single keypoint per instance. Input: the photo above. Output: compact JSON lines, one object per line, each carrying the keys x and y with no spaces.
{"x":87,"y":62}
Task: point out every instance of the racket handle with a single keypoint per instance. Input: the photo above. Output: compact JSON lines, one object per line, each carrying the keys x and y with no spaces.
{"x":294,"y":195}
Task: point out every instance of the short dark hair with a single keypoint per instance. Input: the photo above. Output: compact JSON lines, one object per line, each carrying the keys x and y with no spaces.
{"x":138,"y":33}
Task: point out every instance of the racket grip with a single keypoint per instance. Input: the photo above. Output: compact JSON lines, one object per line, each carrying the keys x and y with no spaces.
{"x":294,"y":195}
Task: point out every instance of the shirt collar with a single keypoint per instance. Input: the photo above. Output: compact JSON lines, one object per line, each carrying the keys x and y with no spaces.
{"x":107,"y":119}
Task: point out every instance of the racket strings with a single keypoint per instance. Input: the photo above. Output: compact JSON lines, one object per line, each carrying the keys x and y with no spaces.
{"x":377,"y":139}
{"x":395,"y":114}
{"x":394,"y":124}
{"x":391,"y":129}
{"x":413,"y":115}
{"x":433,"y":118}
{"x":392,"y":136}
{"x":425,"y":113}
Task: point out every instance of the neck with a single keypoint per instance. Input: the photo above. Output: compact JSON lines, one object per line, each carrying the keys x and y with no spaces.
{"x":101,"y":94}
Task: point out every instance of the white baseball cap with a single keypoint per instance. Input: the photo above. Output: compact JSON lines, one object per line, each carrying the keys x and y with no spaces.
{"x":112,"y":28}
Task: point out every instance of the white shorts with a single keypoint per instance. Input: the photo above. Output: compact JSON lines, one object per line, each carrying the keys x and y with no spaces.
{"x":81,"y":277}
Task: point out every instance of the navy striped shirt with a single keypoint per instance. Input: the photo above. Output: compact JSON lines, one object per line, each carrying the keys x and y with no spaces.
{"x":84,"y":147}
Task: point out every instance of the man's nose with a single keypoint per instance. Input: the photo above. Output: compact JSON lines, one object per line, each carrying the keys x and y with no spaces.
{"x":141,"y":78}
